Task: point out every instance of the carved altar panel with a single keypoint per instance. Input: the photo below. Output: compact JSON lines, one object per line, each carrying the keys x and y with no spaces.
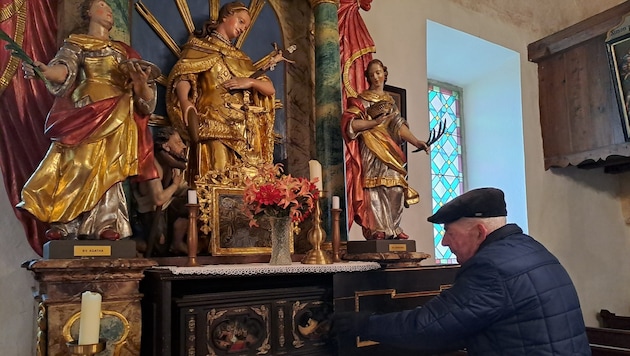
{"x":60,"y":284}
{"x":261,"y":322}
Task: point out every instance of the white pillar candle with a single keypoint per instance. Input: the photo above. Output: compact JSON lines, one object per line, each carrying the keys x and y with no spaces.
{"x":335,"y":202}
{"x":90,"y":319}
{"x":192,"y":197}
{"x":315,"y":169}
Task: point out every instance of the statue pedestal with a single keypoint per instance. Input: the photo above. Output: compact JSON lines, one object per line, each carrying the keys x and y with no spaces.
{"x":60,"y":284}
{"x":125,"y":248}
{"x":389,"y":253}
{"x":390,"y":259}
{"x":381,"y":246}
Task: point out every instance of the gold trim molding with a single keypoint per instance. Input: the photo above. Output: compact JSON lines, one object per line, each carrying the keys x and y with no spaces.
{"x":42,"y":330}
{"x":393,"y":295}
{"x":350,"y":92}
{"x":20,"y":25}
{"x":8,"y":10}
{"x":315,"y":3}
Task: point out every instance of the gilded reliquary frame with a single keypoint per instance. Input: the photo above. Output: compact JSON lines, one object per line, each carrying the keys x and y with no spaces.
{"x":231,"y":233}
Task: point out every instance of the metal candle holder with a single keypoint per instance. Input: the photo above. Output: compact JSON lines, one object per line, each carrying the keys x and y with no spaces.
{"x":316,"y":236}
{"x":336,"y":235}
{"x":193,"y":240}
{"x":86,"y":350}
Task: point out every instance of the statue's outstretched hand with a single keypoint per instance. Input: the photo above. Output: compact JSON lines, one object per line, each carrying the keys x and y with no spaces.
{"x":422,"y":146}
{"x":138,"y":75}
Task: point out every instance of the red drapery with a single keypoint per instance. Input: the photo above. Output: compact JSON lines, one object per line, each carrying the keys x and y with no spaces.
{"x":356,"y":46}
{"x":24,"y":104}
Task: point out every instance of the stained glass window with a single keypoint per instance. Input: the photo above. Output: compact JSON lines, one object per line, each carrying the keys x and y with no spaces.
{"x":446,"y":157}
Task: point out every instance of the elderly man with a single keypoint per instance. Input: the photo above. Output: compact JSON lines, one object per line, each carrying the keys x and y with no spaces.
{"x":510,"y":297}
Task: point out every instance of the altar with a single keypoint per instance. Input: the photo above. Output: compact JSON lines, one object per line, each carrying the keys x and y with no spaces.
{"x":235,"y":304}
{"x":257,"y":308}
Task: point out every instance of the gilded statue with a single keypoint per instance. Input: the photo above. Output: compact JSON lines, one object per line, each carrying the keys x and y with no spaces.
{"x":220,"y":98}
{"x":99,"y":133}
{"x":373,"y":131}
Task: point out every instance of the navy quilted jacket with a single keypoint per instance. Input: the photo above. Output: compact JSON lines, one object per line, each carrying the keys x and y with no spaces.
{"x":511,"y":298}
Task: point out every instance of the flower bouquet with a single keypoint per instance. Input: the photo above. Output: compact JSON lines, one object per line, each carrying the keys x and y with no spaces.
{"x":276,"y":194}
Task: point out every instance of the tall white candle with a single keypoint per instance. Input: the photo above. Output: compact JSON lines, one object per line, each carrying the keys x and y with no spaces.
{"x":315,"y":170}
{"x":335,"y":202}
{"x":90,"y":320}
{"x":192,"y":196}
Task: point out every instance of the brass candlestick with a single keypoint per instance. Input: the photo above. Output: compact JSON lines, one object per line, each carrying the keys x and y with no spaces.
{"x":86,"y":350}
{"x":193,"y":241}
{"x":316,"y":236}
{"x":336,"y":235}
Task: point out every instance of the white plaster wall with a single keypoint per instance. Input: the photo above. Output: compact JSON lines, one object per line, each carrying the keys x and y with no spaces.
{"x":575,"y":213}
{"x":17,"y":306}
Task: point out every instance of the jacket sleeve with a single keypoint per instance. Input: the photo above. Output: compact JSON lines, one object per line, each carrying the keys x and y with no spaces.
{"x":477,"y":299}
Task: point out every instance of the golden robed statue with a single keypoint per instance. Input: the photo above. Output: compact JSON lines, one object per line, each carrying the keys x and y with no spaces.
{"x":220,"y":99}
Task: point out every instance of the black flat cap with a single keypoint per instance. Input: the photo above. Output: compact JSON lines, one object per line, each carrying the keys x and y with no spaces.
{"x":476,"y":203}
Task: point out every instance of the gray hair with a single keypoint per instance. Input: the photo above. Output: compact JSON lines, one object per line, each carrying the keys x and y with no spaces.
{"x":491,"y":224}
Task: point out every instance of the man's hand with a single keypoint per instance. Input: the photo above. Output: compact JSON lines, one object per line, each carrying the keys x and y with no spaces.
{"x":349,"y":324}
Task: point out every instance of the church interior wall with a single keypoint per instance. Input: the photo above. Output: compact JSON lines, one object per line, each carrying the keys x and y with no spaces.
{"x":575,"y":213}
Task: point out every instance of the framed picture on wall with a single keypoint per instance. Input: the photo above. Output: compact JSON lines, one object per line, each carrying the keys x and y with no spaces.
{"x":618,"y":45}
{"x":400,"y":98}
{"x":231,"y":233}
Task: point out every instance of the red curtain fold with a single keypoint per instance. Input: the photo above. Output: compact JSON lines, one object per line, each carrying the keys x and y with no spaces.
{"x":356,"y":46}
{"x":25,"y":103}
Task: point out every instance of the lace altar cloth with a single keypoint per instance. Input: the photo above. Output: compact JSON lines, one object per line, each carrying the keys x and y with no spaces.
{"x":252,"y":269}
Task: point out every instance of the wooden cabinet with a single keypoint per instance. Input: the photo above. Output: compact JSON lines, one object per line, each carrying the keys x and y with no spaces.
{"x":579,"y":115}
{"x":285,"y":314}
{"x":384,"y":291}
{"x":198,"y":314}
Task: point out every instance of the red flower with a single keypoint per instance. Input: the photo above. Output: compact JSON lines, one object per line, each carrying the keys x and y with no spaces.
{"x":268,"y":195}
{"x":273,"y":193}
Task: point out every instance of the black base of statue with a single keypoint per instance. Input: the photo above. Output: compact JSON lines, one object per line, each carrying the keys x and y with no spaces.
{"x":381,"y":246}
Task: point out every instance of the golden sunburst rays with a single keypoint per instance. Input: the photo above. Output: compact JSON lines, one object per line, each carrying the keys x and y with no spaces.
{"x":158,"y":28}
{"x":255,"y":6}
{"x":184,"y":12}
{"x":214,"y":8}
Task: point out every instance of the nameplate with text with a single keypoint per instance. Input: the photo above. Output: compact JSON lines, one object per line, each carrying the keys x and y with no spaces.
{"x":92,"y":251}
{"x":398,"y":248}
{"x":125,"y":248}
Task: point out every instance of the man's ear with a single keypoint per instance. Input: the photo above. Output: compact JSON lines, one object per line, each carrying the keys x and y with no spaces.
{"x":166,"y":147}
{"x":482,"y":231}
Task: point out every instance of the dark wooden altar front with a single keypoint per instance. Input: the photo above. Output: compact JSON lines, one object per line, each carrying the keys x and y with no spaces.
{"x":195,"y":314}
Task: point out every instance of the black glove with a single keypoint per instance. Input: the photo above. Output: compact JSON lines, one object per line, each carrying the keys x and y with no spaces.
{"x":349,"y":323}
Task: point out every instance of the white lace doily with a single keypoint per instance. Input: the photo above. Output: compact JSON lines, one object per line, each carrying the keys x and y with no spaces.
{"x":251,"y":269}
